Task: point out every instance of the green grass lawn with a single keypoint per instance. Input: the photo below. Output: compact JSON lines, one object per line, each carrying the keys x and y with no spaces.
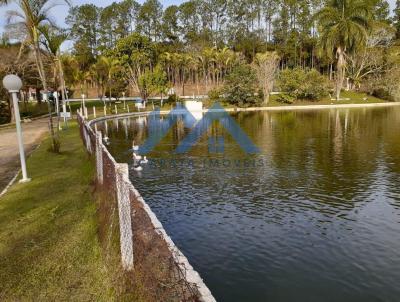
{"x":353,"y":98}
{"x":49,"y":247}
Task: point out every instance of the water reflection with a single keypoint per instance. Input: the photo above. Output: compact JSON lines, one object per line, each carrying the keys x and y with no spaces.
{"x":317,"y":218}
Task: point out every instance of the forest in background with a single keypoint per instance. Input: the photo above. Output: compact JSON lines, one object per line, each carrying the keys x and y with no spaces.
{"x":210,"y":47}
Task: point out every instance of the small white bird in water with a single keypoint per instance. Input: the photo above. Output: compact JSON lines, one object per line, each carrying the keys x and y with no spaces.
{"x":134,"y":147}
{"x":144,"y":160}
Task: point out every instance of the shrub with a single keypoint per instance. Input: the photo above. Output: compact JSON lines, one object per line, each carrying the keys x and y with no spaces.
{"x":286,"y":98}
{"x":381,"y":93}
{"x":215,"y":94}
{"x":303,"y":85}
{"x":173,"y":98}
{"x":386,"y":86}
{"x":241,"y":87}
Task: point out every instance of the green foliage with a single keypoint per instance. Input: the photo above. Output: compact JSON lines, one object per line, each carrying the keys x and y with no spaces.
{"x":302,"y":85}
{"x":396,"y":18}
{"x":215,"y":94}
{"x":149,"y":19}
{"x":159,"y":82}
{"x":344,"y":24}
{"x":173,"y":98}
{"x":286,"y":98}
{"x":241,"y":88}
{"x":135,"y":54}
{"x":84,"y":28}
{"x":151,"y":82}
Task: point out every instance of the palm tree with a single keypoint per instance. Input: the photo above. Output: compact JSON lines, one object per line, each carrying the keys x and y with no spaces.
{"x":110,"y":66}
{"x":30,"y":16}
{"x":53,"y":41}
{"x":100,"y":76}
{"x":343,"y":26}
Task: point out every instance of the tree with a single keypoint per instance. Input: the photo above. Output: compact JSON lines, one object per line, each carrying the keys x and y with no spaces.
{"x":31,"y":15}
{"x":241,"y":86}
{"x":270,"y":9}
{"x":116,"y":21}
{"x":396,"y":18}
{"x":99,"y":73}
{"x":153,"y":82}
{"x":53,"y":39}
{"x":343,"y":26}
{"x":170,"y":26}
{"x":189,"y":19}
{"x":84,"y":28}
{"x":110,"y":67}
{"x":266,"y":65}
{"x":135,"y":53}
{"x":381,"y":11}
{"x":149,"y":19}
{"x":372,"y":59}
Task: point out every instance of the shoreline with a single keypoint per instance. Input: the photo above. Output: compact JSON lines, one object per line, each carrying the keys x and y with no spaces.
{"x":315,"y":107}
{"x":275,"y":108}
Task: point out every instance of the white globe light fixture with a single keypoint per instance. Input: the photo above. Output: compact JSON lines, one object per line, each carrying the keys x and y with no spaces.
{"x":14,"y":84}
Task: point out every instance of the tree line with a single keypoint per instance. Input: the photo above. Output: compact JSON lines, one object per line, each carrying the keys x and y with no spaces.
{"x":149,"y":48}
{"x":200,"y":41}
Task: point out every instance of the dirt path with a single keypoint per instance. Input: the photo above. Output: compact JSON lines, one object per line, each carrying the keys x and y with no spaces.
{"x":9,"y":155}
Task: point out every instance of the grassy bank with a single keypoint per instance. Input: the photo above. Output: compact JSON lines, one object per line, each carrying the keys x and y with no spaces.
{"x":348,"y":97}
{"x":49,"y":247}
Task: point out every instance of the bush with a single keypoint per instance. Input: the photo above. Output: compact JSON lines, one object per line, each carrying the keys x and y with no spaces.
{"x":303,"y":85}
{"x":173,"y":98}
{"x":215,"y":94}
{"x":286,"y":98}
{"x":386,"y":86}
{"x":381,"y":93}
{"x":241,"y":87}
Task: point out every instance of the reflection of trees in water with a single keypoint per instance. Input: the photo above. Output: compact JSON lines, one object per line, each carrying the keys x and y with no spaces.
{"x":324,"y":161}
{"x":331,"y":156}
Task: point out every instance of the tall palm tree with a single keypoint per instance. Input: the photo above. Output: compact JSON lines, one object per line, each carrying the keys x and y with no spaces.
{"x":111,"y":66}
{"x":343,"y":26}
{"x":30,"y":15}
{"x":53,"y":39}
{"x":99,"y":74}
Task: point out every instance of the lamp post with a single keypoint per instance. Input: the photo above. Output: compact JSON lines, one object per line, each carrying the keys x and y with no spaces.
{"x":13,"y":84}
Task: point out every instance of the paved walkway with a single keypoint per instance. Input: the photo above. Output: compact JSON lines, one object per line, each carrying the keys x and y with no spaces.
{"x":9,"y":155}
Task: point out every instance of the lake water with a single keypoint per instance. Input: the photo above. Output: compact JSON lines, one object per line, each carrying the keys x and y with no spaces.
{"x":314,"y":217}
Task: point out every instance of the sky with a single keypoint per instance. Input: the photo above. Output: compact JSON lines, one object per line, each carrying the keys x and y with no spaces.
{"x":60,"y":12}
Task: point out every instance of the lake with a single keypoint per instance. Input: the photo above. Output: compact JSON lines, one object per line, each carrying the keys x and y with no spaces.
{"x":315,"y":216}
